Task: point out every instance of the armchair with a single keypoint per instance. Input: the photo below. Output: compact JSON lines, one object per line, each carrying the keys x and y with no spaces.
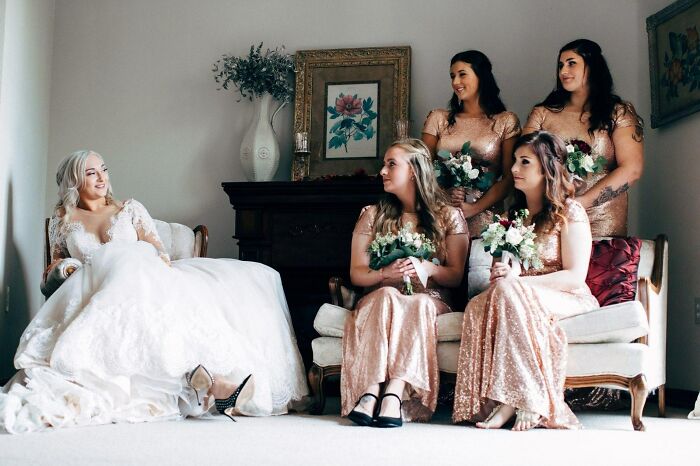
{"x":617,"y":346}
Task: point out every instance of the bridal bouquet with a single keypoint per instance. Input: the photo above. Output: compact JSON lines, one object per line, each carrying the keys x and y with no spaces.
{"x":458,"y":170}
{"x":511,"y":239}
{"x":580,"y":159}
{"x":385,"y":249}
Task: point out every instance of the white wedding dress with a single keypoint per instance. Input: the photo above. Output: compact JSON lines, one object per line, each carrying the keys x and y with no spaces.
{"x":114,"y":342}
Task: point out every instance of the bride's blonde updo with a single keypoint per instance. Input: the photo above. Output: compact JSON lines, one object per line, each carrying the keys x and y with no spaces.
{"x":70,"y":177}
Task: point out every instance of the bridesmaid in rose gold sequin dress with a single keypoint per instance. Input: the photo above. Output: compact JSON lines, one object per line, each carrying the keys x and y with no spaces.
{"x":512,"y":358}
{"x":476,"y":114}
{"x":390,"y":339}
{"x":608,"y":124}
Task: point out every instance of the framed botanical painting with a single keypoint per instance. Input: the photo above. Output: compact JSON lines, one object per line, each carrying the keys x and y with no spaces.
{"x":348,"y":100}
{"x":674,"y":59}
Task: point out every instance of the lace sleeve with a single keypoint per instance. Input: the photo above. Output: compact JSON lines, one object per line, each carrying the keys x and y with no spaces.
{"x":57,"y":240}
{"x":146,"y":227}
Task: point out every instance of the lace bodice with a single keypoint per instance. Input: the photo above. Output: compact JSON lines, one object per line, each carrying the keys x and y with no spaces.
{"x":130,"y":224}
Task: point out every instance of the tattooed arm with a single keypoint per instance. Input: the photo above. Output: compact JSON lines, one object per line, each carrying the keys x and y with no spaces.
{"x":629,"y":150}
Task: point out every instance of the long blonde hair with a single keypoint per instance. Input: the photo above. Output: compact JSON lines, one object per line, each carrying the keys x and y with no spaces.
{"x":430,"y":198}
{"x":70,"y":177}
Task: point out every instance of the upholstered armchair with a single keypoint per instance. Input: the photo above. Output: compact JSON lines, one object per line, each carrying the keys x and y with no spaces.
{"x":618,"y":346}
{"x":180,"y":242}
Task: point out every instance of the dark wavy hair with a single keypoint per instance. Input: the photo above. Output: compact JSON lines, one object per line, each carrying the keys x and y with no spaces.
{"x":489,"y":99}
{"x":601,"y":99}
{"x":551,"y":152}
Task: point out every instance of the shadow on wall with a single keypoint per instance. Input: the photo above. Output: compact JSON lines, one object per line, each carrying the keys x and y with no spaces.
{"x":15,"y":320}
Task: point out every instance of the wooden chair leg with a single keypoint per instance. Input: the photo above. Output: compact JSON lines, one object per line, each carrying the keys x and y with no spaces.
{"x":662,"y":400}
{"x":316,"y":383}
{"x":639,"y":392}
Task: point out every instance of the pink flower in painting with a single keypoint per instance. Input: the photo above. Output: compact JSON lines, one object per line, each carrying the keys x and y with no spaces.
{"x":348,"y":105}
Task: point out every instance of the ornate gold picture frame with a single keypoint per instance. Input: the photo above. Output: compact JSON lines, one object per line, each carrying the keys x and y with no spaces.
{"x":348,"y":100}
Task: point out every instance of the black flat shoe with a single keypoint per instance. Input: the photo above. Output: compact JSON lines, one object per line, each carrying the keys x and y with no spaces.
{"x":361,"y":419}
{"x":386,"y":421}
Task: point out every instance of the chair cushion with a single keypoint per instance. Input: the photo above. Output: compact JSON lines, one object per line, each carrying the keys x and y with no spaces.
{"x":479,"y":268}
{"x":619,"y":323}
{"x":177,"y":239}
{"x":612,"y":271}
{"x":624,"y":359}
{"x":327,"y":351}
{"x":330,"y":322}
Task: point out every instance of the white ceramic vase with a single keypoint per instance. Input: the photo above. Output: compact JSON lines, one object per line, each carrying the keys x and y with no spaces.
{"x":260,"y":152}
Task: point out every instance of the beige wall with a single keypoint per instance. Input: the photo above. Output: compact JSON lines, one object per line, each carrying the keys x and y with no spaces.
{"x":670,"y":204}
{"x":131,"y":79}
{"x":27,"y":34}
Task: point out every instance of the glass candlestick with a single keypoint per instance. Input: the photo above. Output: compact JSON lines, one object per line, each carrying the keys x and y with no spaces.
{"x":302,"y":157}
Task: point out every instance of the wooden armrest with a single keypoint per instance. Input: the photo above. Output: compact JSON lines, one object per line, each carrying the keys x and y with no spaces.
{"x":203,"y":233}
{"x":334,"y":284}
{"x":342,"y":295}
{"x":657,"y":272}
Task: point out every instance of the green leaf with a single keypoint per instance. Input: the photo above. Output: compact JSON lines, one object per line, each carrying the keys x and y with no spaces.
{"x":369,"y":132}
{"x":443,"y":154}
{"x":358,"y":135}
{"x":466,"y":148}
{"x":332,"y":110}
{"x":347,"y":123}
{"x":371,"y":114}
{"x":336,"y":141}
{"x":367,"y":120}
{"x":367,"y":104}
{"x":335,"y":127}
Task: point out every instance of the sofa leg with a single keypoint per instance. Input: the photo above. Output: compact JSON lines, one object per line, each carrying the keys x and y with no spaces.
{"x":316,"y":383}
{"x":639,"y":391}
{"x":662,"y":400}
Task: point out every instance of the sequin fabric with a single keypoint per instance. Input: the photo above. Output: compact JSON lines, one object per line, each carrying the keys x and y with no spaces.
{"x":609,"y":218}
{"x":393,"y":336}
{"x":486,"y":136}
{"x":512,"y":349}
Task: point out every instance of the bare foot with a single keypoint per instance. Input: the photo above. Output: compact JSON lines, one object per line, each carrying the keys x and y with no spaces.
{"x":498,"y":417}
{"x":526,"y":420}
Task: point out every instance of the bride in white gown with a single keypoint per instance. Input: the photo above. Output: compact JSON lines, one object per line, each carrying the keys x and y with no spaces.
{"x":116,"y":340}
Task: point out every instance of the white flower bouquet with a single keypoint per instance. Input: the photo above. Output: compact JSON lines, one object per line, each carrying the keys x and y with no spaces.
{"x":459,"y":171}
{"x":581,"y":161}
{"x":511,"y":240}
{"x":385,"y":249}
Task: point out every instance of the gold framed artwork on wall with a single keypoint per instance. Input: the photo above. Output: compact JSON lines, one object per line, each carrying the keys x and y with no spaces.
{"x":674,"y":61}
{"x":348,"y":100}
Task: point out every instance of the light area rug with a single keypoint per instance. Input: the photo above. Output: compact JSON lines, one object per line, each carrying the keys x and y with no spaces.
{"x":302,"y":439}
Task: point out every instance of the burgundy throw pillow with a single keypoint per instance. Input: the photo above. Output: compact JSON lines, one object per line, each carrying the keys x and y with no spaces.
{"x":612,"y":272}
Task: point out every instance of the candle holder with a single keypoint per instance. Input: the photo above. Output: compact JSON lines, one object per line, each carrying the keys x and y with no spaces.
{"x":302,"y":157}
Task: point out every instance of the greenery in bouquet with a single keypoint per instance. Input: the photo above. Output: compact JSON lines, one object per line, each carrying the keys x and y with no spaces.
{"x":512,"y":236}
{"x":258,"y":73}
{"x":580,"y":159}
{"x":459,"y":171}
{"x":387,"y":248}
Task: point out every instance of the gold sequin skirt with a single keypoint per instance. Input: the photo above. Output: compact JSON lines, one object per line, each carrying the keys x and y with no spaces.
{"x":513,"y":351}
{"x":393,"y":336}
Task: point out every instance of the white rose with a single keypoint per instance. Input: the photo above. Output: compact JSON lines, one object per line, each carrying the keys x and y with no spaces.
{"x":418,"y":243}
{"x":466,"y":166}
{"x":587,"y":163}
{"x":472,"y":174}
{"x":570,"y":148}
{"x":513,"y":236}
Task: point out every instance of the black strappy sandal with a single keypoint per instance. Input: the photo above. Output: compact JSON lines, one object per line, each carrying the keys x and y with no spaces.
{"x":386,"y":421}
{"x":362,"y":419}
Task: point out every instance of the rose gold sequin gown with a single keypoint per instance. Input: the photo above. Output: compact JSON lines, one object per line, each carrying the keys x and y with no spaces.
{"x":486,"y":136}
{"x":512,"y":350}
{"x":609,"y":218}
{"x":393,"y":336}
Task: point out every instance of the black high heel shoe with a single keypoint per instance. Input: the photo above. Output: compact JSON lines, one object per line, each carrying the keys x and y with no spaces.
{"x":200,"y":379}
{"x":362,"y":419}
{"x":386,"y":421}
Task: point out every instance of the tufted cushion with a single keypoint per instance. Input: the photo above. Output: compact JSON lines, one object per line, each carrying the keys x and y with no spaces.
{"x":327,"y":351}
{"x":612,"y":271}
{"x":177,"y":239}
{"x":618,"y":323}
